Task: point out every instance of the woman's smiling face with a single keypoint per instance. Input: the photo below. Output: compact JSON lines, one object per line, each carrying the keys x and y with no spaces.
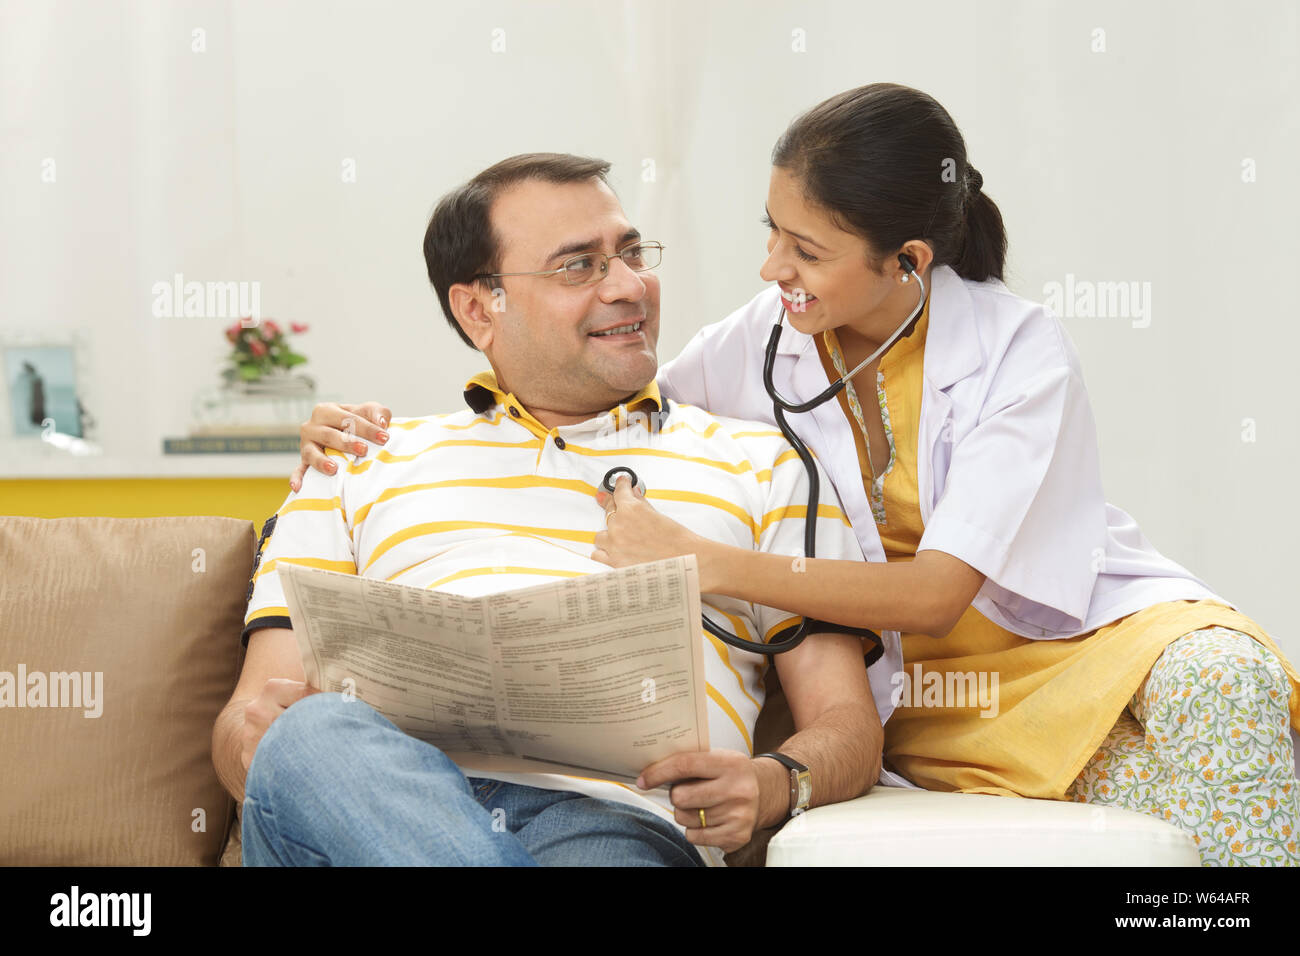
{"x":809,"y":253}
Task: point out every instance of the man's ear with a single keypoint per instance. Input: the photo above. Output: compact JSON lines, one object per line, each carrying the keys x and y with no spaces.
{"x":474,"y":306}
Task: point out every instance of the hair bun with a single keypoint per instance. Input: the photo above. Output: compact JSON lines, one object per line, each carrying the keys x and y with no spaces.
{"x":974,"y":179}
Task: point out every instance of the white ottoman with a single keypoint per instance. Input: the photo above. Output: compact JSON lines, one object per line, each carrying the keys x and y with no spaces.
{"x":891,"y":826}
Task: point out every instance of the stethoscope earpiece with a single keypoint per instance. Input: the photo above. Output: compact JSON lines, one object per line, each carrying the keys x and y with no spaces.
{"x":908,"y":264}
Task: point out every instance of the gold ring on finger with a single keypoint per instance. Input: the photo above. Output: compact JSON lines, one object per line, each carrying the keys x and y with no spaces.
{"x":703,"y":822}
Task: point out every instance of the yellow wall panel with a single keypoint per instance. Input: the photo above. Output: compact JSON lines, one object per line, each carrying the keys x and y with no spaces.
{"x":254,"y":499}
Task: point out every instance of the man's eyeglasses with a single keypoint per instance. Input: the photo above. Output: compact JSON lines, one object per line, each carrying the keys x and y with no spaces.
{"x":589,"y":267}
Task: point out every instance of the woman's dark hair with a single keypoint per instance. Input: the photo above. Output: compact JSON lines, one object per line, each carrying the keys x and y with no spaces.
{"x":459,"y":242}
{"x":889,"y":164}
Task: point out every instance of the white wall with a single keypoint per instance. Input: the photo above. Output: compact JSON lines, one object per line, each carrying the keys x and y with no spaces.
{"x":1123,"y":165}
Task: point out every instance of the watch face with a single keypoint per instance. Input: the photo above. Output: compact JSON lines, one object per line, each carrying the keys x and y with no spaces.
{"x":805,"y":788}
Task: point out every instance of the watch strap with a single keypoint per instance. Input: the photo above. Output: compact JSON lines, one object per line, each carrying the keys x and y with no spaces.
{"x":800,"y":781}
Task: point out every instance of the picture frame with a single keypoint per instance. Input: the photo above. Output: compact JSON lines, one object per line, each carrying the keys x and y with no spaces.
{"x":46,"y":388}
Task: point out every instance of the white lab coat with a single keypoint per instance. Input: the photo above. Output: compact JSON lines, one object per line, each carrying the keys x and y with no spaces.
{"x":1007,"y":462}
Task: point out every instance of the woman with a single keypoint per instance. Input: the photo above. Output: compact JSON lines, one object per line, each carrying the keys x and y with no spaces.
{"x":965,"y":456}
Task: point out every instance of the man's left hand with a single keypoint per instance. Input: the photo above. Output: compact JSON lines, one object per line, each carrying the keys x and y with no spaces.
{"x":722,"y":783}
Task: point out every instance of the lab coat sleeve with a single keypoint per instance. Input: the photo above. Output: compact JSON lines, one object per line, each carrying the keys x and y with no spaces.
{"x":1023,"y":500}
{"x":685,"y":378}
{"x":721,"y":367}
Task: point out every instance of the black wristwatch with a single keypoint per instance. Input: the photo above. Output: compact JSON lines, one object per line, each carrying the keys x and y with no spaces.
{"x":800,"y":782}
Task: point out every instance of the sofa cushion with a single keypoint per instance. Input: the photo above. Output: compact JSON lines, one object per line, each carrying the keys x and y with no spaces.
{"x":233,"y":854}
{"x":154,"y":606}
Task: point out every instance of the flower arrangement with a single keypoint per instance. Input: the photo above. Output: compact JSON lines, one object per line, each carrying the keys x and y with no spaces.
{"x":261,"y":350}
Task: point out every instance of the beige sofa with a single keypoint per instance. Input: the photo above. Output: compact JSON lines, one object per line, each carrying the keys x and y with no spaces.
{"x":155,"y":606}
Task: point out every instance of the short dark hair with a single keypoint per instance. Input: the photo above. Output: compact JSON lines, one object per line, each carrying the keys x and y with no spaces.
{"x":875,"y":157}
{"x":459,"y":243}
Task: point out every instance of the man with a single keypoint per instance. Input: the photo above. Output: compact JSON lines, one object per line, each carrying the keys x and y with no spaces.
{"x":535,"y":265}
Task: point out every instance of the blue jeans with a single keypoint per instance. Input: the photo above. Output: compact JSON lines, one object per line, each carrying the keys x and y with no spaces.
{"x":334,"y":783}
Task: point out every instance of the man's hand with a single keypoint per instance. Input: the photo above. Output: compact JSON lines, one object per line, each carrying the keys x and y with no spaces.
{"x":725,"y":784}
{"x":262,"y":710}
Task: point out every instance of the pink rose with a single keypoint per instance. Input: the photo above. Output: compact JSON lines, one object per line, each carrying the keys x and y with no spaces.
{"x":298,"y":327}
{"x":270,"y":329}
{"x":256,"y":347}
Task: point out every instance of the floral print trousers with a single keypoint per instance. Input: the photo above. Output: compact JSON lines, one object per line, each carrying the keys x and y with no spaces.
{"x":1205,"y":744}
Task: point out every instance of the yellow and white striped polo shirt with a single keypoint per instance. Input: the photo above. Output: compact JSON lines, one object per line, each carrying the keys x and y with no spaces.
{"x":489,"y":499}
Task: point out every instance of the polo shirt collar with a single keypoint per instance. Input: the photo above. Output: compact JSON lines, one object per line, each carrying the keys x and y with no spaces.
{"x":482,"y":392}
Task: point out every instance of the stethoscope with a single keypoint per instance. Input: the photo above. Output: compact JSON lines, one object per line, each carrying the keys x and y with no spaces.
{"x":792,"y":636}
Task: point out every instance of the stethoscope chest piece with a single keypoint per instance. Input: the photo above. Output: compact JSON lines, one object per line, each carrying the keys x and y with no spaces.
{"x":611,"y":477}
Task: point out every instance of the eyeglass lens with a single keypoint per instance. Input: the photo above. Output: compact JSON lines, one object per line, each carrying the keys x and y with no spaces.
{"x":590,"y":266}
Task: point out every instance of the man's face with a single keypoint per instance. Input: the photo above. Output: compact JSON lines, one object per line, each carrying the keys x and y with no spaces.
{"x":542,"y":343}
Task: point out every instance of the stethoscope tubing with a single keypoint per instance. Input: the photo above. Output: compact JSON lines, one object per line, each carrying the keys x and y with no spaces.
{"x":769,"y":359}
{"x":791,"y":637}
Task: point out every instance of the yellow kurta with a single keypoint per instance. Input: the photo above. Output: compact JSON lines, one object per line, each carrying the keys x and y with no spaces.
{"x":1057,"y":699}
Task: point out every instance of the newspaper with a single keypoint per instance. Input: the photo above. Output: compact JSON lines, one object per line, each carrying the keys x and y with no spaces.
{"x":598,"y":675}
